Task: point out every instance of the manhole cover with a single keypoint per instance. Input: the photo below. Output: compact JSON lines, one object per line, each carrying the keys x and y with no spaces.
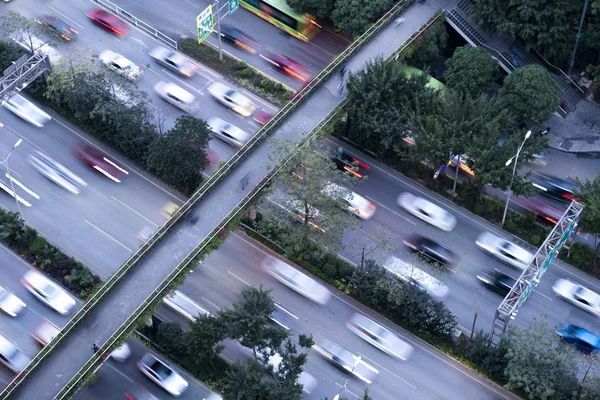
{"x":566,"y":144}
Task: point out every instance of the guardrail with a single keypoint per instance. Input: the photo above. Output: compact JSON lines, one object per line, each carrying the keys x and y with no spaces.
{"x":549,"y":65}
{"x":204,"y":190}
{"x":126,"y":15}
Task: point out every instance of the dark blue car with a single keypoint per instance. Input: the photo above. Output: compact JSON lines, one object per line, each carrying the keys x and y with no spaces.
{"x":580,"y":338}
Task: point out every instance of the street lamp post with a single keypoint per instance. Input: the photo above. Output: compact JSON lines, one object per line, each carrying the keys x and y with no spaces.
{"x":343,"y":389}
{"x":4,"y":163}
{"x":516,"y":160}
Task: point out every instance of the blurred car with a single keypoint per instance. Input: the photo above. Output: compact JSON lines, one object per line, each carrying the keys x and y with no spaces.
{"x":185,"y":306}
{"x":99,"y":162}
{"x":282,"y":317}
{"x":296,"y":280}
{"x":212,"y":158}
{"x":504,"y":250}
{"x":497,"y":281}
{"x":56,"y":172}
{"x":540,"y":208}
{"x":579,"y":295}
{"x":45,"y":332}
{"x":557,"y":188}
{"x":465,"y":161}
{"x":346,"y":360}
{"x":580,"y":338}
{"x":135,"y":391}
{"x":228,"y":133}
{"x":177,"y":96}
{"x":161,"y":374}
{"x":9,"y":303}
{"x":11,"y":356}
{"x":108,"y":21}
{"x":415,"y":276}
{"x":238,"y":38}
{"x":262,"y":116}
{"x":169,"y":209}
{"x":28,"y":111}
{"x":379,"y":336}
{"x":232,"y":99}
{"x":346,"y":162}
{"x":124,"y":96}
{"x":33,"y":44}
{"x":59,"y":28}
{"x":355,"y":203}
{"x":174,"y":61}
{"x":431,"y":250}
{"x":121,"y":353}
{"x":145,"y":233}
{"x":121,"y":65}
{"x":48,"y":292}
{"x":286,"y":65}
{"x":427,"y":211}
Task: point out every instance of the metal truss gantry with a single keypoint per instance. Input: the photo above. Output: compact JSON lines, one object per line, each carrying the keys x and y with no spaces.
{"x":23,"y":71}
{"x":535,"y":270}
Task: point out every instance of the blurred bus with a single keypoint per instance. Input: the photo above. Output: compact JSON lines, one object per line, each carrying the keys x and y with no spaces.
{"x":278,"y":13}
{"x":431,"y":83}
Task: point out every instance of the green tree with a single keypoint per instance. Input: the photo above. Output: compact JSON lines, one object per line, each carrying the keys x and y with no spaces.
{"x":430,"y":45}
{"x":380,"y":97}
{"x":317,"y":8}
{"x":589,"y":193}
{"x":169,"y":336}
{"x":26,"y":31}
{"x":537,"y":364}
{"x":178,"y":157}
{"x":471,"y":70}
{"x":244,"y":381}
{"x":354,"y":18}
{"x":547,"y":25}
{"x":530,"y":94}
{"x":203,"y":341}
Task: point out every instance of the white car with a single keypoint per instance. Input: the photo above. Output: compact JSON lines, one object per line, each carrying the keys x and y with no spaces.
{"x":174,"y":61}
{"x":163,"y":375}
{"x":177,"y":96}
{"x":123,"y":95}
{"x":356,"y":204}
{"x":427,"y":211}
{"x":34,"y":44}
{"x":28,"y":111}
{"x":45,"y":332}
{"x":48,"y":292}
{"x":9,"y":303}
{"x":121,"y":353}
{"x":504,"y":250}
{"x":415,"y":276}
{"x":11,"y":356}
{"x":121,"y":65}
{"x":232,"y":99}
{"x":184,"y":305}
{"x":305,"y":379}
{"x":580,"y":296}
{"x":296,"y":280}
{"x":346,"y":360}
{"x":56,"y":172}
{"x":379,"y":336}
{"x":227,"y":132}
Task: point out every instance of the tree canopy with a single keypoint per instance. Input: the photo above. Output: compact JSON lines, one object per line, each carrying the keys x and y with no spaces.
{"x":471,"y":70}
{"x":317,"y":8}
{"x":354,"y":18}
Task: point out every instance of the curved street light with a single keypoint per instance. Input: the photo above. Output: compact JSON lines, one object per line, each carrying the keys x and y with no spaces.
{"x":514,"y":158}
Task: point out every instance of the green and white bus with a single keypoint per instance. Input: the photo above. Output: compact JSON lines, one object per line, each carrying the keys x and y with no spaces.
{"x":278,"y":13}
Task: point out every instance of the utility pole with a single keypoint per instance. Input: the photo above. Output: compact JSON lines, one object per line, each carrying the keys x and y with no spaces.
{"x":219,"y":29}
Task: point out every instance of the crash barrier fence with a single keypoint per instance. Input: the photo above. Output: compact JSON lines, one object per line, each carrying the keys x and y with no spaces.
{"x":202,"y":192}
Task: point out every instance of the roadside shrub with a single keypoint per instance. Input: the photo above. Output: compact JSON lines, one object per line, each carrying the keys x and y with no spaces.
{"x":491,"y":359}
{"x":535,"y":240}
{"x":38,"y":245}
{"x":582,"y":256}
{"x":169,"y":336}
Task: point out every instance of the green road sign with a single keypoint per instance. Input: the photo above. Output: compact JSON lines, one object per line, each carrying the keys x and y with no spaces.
{"x":205,"y":23}
{"x":233,"y":5}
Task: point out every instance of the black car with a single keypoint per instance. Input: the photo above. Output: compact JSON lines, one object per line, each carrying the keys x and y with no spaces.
{"x":346,"y":162}
{"x":239,"y":39}
{"x":59,"y":28}
{"x":432,"y":251}
{"x":557,"y":188}
{"x":497,"y":281}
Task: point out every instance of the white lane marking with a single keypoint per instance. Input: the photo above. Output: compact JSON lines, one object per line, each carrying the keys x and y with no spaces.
{"x":543,"y":295}
{"x":14,"y":195}
{"x":195,"y":5}
{"x":65,"y":17}
{"x":22,"y":186}
{"x":238,"y":278}
{"x":390,"y":210}
{"x":108,"y":236}
{"x":133,"y":211}
{"x":387,"y":370}
{"x":119,"y":372}
{"x":211,"y":303}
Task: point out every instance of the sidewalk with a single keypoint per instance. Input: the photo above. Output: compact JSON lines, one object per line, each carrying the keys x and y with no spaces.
{"x":579,"y":132}
{"x":62,"y":365}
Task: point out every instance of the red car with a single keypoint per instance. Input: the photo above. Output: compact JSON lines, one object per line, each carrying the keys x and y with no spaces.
{"x":262,"y":116}
{"x":108,"y":21}
{"x":212,"y":158}
{"x":286,"y":65}
{"x":98,"y":161}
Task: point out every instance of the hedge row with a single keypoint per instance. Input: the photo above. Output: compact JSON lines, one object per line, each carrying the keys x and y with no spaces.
{"x":48,"y":258}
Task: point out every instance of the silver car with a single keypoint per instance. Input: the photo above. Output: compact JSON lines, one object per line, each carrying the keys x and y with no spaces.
{"x":9,"y":303}
{"x":227,"y":132}
{"x":163,"y":375}
{"x":11,"y":356}
{"x":120,"y":65}
{"x":355,"y":203}
{"x":296,"y":280}
{"x":48,"y":292}
{"x":56,"y":172}
{"x":578,"y":295}
{"x":28,"y":111}
{"x":380,"y":337}
{"x":504,"y":250}
{"x":177,"y":96}
{"x":415,"y":276}
{"x":174,"y":61}
{"x":427,"y":211}
{"x":346,"y":360}
{"x":232,"y":99}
